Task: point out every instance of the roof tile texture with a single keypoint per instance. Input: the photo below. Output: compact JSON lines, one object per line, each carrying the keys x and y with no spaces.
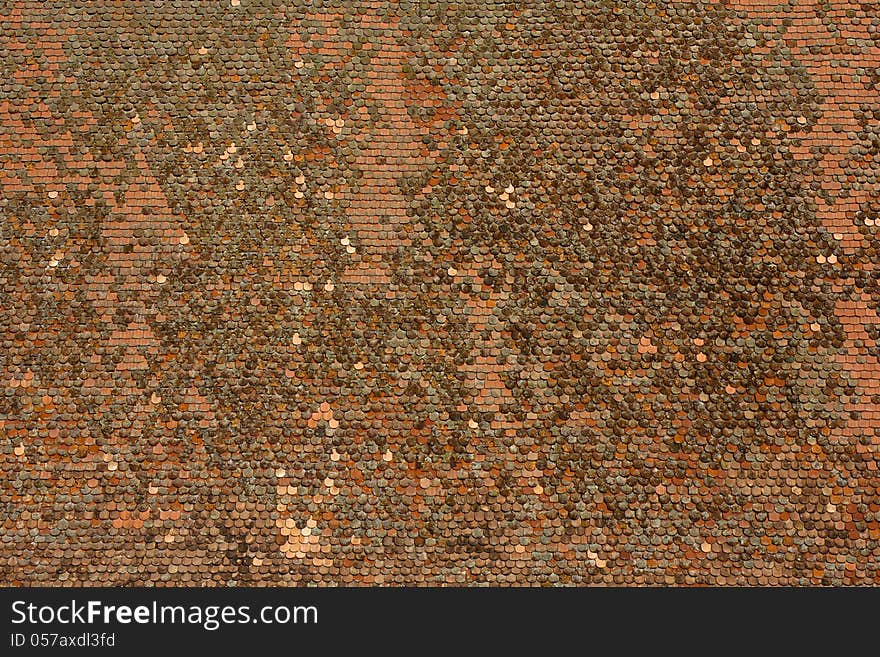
{"x":439,"y":293}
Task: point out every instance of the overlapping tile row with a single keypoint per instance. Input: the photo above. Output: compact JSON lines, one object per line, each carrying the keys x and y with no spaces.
{"x":431,"y":293}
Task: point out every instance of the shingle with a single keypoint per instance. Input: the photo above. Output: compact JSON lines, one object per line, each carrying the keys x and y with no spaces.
{"x":488,"y":292}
